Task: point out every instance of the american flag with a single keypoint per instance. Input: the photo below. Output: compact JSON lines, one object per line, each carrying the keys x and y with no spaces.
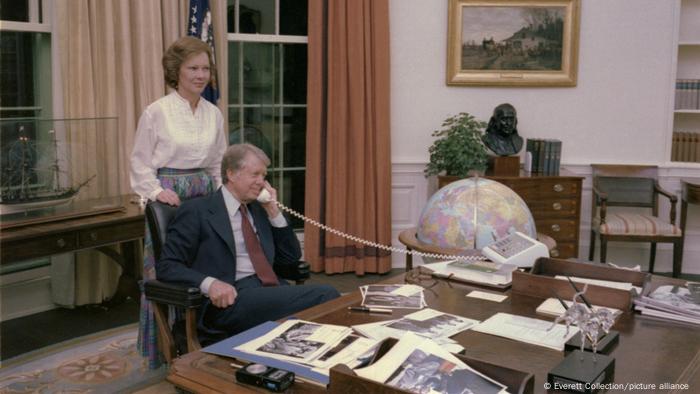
{"x":201,"y":26}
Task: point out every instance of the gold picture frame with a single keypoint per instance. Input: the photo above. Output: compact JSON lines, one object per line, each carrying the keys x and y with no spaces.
{"x":513,"y":42}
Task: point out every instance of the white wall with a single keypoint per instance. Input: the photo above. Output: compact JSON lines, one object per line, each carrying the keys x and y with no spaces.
{"x":620,"y":111}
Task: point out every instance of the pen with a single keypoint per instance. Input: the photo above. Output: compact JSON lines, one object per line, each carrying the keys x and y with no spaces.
{"x":566,"y":307}
{"x":370,"y":310}
{"x":585,"y":301}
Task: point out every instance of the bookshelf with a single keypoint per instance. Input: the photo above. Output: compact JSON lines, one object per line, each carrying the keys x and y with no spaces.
{"x":686,"y":121}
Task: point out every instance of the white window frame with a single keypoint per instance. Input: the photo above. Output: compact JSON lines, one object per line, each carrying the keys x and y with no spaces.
{"x":275,"y":38}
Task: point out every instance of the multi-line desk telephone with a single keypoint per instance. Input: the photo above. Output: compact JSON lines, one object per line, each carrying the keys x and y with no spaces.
{"x":516,"y":249}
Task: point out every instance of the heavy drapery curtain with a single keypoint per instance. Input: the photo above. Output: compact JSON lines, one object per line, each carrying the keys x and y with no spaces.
{"x":348,"y":164}
{"x":110,"y":66}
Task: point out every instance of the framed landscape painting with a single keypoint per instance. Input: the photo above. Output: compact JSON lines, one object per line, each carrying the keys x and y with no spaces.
{"x":513,"y":42}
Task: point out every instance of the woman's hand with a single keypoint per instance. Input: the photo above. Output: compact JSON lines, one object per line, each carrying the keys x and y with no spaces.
{"x":169,"y":197}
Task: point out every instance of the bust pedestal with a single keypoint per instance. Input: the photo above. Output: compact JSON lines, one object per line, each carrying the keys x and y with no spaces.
{"x":503,"y":166}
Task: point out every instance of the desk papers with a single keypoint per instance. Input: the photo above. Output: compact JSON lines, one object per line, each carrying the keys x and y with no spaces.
{"x":420,"y":365}
{"x":552,"y":307}
{"x":528,"y":330}
{"x":308,"y":343}
{"x":670,"y":303}
{"x":474,"y":271}
{"x":227,"y":348}
{"x":605,"y":283}
{"x":487,"y":296}
{"x":428,"y":323}
{"x":393,"y":296}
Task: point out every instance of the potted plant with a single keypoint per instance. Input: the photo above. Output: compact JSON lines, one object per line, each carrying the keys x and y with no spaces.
{"x":458,"y":150}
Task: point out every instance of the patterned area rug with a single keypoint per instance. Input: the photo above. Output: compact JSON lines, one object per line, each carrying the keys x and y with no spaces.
{"x":101,"y":363}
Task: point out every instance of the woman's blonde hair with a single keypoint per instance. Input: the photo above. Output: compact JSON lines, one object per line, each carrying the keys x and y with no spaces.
{"x":179,"y":52}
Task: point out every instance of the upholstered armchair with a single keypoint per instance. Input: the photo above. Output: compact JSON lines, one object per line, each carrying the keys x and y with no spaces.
{"x":635,"y":187}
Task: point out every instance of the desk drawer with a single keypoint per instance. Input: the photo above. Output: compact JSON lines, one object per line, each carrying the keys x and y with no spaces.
{"x":110,"y":234}
{"x":565,"y":207}
{"x":565,"y":250}
{"x":544,"y":188}
{"x":37,"y":247}
{"x":559,"y":229}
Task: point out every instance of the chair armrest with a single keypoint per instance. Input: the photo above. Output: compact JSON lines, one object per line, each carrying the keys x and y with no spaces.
{"x":603,"y":203}
{"x":671,"y":197}
{"x":603,"y":196}
{"x":658,"y":189}
{"x":298,"y":273}
{"x":173,"y":294}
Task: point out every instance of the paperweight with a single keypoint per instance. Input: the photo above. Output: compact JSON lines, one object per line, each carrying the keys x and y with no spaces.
{"x":582,"y":372}
{"x":605,"y":344}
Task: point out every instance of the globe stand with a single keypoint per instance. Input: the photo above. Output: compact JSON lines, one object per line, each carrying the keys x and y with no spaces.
{"x":503,"y":166}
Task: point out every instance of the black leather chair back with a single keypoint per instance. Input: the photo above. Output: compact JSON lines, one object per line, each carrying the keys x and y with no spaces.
{"x":159,"y":215}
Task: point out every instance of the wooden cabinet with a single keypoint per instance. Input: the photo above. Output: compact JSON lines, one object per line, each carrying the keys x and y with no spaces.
{"x":555,"y":203}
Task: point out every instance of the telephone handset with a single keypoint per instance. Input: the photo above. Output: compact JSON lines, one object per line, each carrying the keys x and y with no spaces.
{"x":264,"y":197}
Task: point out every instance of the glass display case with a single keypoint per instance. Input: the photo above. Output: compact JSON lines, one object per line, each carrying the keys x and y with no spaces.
{"x":48,"y":166}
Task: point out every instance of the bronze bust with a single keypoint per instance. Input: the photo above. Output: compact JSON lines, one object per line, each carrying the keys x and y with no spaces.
{"x":502,"y":134}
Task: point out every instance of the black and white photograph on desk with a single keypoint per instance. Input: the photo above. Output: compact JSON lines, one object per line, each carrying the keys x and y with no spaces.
{"x":432,"y":324}
{"x":393,"y":296}
{"x":427,"y":373}
{"x":292,"y":343}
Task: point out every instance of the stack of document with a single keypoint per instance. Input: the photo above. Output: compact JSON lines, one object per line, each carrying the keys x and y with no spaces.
{"x":677,"y":303}
{"x":604,"y":283}
{"x":528,"y":330}
{"x":484,"y":272}
{"x":320,"y":346}
{"x":393,"y":296}
{"x":428,"y":323}
{"x":420,"y":365}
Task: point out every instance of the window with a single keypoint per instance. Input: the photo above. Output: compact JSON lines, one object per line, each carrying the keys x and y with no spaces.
{"x":267,"y":88}
{"x":25,"y":78}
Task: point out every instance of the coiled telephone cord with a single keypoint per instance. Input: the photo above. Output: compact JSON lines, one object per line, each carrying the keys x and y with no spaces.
{"x":374,"y":244}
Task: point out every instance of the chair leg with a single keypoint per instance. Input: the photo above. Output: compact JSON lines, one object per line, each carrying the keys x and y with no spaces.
{"x":603,"y":249}
{"x":677,"y":258}
{"x":591,"y":247}
{"x":165,"y":336}
{"x":652,"y":257}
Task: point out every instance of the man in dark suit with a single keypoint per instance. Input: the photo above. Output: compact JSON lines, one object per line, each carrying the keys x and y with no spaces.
{"x":227,"y":243}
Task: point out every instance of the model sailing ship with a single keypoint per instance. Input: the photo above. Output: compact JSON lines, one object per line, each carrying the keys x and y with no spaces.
{"x":27,"y":182}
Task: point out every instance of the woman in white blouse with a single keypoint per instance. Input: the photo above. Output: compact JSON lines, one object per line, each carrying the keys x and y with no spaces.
{"x":179,"y":144}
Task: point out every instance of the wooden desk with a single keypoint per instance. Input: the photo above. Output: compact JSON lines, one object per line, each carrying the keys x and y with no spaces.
{"x":555,"y":204}
{"x":649,"y":351}
{"x":92,"y":232}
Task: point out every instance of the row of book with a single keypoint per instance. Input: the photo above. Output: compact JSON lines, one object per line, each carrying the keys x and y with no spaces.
{"x":545,"y":155}
{"x":686,"y":146}
{"x":687,"y":94}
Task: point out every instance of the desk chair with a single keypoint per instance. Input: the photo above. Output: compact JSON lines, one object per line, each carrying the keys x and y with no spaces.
{"x":632,"y":186}
{"x":183,"y":337}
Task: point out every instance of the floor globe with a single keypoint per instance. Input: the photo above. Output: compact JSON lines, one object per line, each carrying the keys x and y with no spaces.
{"x":473,"y":213}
